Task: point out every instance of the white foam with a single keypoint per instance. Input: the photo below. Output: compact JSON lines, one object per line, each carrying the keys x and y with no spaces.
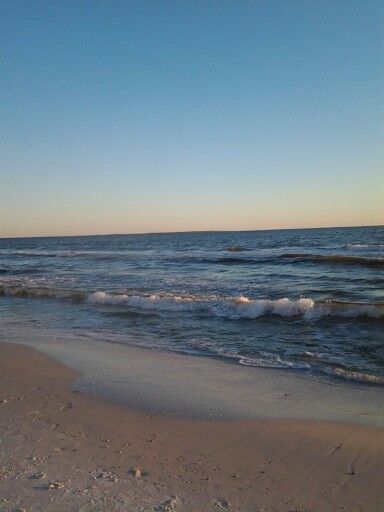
{"x":227,"y":308}
{"x":240,"y":307}
{"x":364,"y":246}
{"x":358,"y":376}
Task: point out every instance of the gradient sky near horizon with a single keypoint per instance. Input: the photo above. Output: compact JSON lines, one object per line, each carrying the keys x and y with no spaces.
{"x":137,"y":116}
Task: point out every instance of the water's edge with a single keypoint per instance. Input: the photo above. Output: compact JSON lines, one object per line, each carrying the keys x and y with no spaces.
{"x":205,"y":388}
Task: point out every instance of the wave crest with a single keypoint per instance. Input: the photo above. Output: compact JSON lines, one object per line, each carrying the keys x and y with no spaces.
{"x":235,"y":308}
{"x":242,"y":307}
{"x":235,"y":248}
{"x":43,"y":292}
{"x":336,"y":259}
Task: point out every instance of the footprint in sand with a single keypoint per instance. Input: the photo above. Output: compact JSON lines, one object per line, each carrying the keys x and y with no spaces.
{"x":168,"y":505}
{"x":222,"y":503}
{"x":37,"y":476}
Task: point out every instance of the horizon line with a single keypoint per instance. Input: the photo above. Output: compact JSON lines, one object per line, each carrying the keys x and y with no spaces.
{"x":191,"y":231}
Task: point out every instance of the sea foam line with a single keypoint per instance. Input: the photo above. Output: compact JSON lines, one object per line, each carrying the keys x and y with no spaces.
{"x":220,"y":307}
{"x":241,"y":307}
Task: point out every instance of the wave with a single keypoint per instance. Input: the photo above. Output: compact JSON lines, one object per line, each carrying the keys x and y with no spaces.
{"x":227,"y":260}
{"x":242,"y":307}
{"x":43,"y":292}
{"x":22,"y":271}
{"x":228,"y":309}
{"x":235,"y":248}
{"x":231,"y":308}
{"x":336,"y":259}
{"x":251,"y":259}
{"x":33,"y":254}
{"x":62,"y":254}
{"x":365,"y":246}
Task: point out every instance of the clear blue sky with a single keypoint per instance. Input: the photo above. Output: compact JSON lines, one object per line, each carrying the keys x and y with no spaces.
{"x":120,"y":117}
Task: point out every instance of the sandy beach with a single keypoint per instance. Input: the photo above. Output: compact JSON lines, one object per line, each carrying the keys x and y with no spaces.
{"x":65,"y":450}
{"x":191,"y":256}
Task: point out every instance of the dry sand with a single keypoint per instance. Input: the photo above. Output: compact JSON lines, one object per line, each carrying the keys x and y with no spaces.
{"x":65,"y":451}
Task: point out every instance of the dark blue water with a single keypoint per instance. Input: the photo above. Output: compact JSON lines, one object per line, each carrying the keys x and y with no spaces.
{"x":310,"y":300}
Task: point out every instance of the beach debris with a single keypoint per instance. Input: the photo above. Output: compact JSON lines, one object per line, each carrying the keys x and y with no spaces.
{"x":3,"y":401}
{"x":222,"y":503}
{"x":168,"y":505}
{"x":55,"y":485}
{"x":17,"y":509}
{"x":105,"y":475}
{"x":68,"y":405}
{"x":37,"y":476}
{"x":138,"y":473}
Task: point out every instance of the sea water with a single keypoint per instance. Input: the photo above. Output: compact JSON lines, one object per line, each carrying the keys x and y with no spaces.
{"x":309,"y":300}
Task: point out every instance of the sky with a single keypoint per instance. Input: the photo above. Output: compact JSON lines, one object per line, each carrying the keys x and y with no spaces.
{"x":151,"y":116}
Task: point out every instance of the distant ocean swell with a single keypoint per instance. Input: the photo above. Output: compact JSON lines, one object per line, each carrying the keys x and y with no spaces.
{"x":62,"y":254}
{"x":227,"y":308}
{"x":296,"y":258}
{"x":293,"y":258}
{"x":336,"y":259}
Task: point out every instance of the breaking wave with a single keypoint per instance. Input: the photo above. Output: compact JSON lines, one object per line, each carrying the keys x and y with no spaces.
{"x":221,"y":307}
{"x":242,"y":307}
{"x":231,"y":308}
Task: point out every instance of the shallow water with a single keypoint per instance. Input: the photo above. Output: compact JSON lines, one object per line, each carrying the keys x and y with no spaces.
{"x":308,"y":300}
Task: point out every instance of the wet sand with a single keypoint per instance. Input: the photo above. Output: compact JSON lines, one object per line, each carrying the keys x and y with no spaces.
{"x":167,"y":383}
{"x":65,"y":450}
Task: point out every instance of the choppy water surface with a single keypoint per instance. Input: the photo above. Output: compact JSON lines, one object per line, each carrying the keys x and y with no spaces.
{"x":310,"y":300}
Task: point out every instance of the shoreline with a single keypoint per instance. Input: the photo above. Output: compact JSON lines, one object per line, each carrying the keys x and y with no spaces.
{"x":92,"y":447}
{"x":198,"y":387}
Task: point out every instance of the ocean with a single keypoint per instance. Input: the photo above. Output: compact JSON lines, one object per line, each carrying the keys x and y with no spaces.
{"x":304,"y":300}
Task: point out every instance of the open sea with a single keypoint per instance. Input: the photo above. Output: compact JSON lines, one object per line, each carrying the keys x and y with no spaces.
{"x":308,"y":300}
